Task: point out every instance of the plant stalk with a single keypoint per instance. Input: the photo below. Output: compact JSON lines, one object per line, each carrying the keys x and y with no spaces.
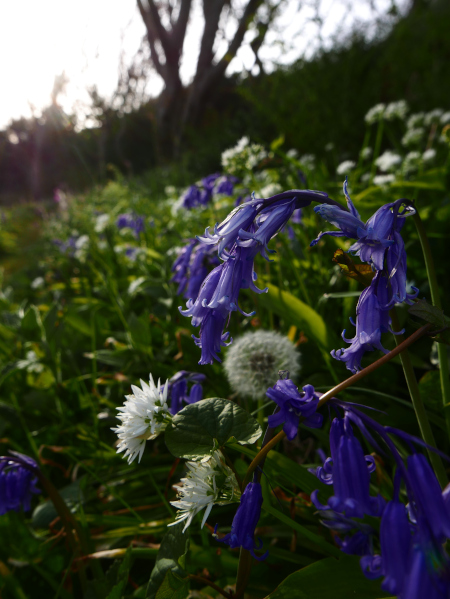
{"x":434,"y":289}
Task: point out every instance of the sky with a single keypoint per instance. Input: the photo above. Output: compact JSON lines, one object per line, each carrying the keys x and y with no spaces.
{"x":40,"y":40}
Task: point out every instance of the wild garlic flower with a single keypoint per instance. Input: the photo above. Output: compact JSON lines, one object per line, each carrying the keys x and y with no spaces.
{"x":429,"y":155}
{"x":433,"y":116}
{"x":413,"y":136}
{"x":388,"y":161}
{"x":382,"y":180}
{"x":395,"y":110}
{"x":375,"y":114}
{"x":144,"y":416}
{"x":207,"y":483}
{"x":366,"y":153}
{"x":345,"y":167}
{"x":253,"y":362}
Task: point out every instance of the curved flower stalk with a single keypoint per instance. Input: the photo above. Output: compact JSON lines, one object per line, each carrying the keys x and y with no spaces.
{"x":244,"y":522}
{"x":243,"y":235}
{"x":379,"y":243}
{"x":144,"y":415}
{"x":207,"y":483}
{"x":18,"y":480}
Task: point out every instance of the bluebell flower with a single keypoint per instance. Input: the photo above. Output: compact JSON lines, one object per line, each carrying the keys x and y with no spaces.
{"x":131,"y":221}
{"x":192,"y":197}
{"x":350,"y":475}
{"x":226,"y":184}
{"x":178,"y":389}
{"x":372,"y":319}
{"x":211,"y":338}
{"x":293,"y":406}
{"x":17,"y":482}
{"x":181,"y":266}
{"x":244,"y":522}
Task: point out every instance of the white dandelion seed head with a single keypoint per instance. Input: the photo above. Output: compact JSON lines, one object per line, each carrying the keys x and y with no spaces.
{"x":207,"y":482}
{"x":144,"y":415}
{"x":253,"y":361}
{"x":375,"y":114}
{"x":345,"y":167}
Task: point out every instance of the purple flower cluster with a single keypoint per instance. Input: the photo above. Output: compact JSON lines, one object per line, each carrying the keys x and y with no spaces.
{"x":191,"y":267}
{"x":379,"y":243}
{"x":17,"y":482}
{"x":243,"y":235}
{"x":411,"y":559}
{"x":178,"y":389}
{"x":200,"y":195}
{"x":294,"y":405}
{"x":244,"y":522}
{"x":131,"y":221}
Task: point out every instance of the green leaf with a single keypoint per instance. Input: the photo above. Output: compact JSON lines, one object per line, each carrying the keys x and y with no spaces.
{"x":171,"y":557}
{"x":329,"y":579}
{"x":122,"y":577}
{"x":45,"y":513}
{"x":77,"y":322}
{"x":200,"y":427}
{"x":173,"y":587}
{"x":296,"y":312}
{"x":32,"y":326}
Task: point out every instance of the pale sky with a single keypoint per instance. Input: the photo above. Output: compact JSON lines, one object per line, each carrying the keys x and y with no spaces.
{"x":40,"y":39}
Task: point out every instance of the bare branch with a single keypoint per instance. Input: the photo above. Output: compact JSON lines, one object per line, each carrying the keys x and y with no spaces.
{"x":212,"y":9}
{"x":152,"y":37}
{"x":179,"y":29}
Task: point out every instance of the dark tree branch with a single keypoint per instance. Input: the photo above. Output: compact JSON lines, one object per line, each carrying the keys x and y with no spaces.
{"x":152,"y":37}
{"x":212,"y":10}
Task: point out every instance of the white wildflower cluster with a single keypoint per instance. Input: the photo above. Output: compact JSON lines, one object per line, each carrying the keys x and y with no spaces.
{"x":345,"y":167}
{"x":388,"y":161}
{"x":375,"y":114}
{"x":411,"y":162}
{"x":244,"y":155}
{"x":429,"y":155}
{"x":415,"y":120}
{"x":81,"y":247}
{"x":292,"y":153}
{"x":434,"y":116}
{"x":101,"y":222}
{"x":253,"y":361}
{"x":207,"y":483}
{"x":413,"y":137}
{"x":445,"y":118}
{"x":383,"y":180}
{"x":144,"y":416}
{"x":396,"y":110}
{"x":308,"y":161}
{"x":366,"y":153}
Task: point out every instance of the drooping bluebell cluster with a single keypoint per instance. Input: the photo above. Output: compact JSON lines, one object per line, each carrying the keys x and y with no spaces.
{"x":414,"y":525}
{"x":179,"y":391}
{"x":244,"y":522}
{"x":191,"y":267}
{"x":243,"y":235}
{"x":200,"y":195}
{"x":293,"y":405}
{"x":131,"y":221}
{"x":380,"y":244}
{"x":18,"y":482}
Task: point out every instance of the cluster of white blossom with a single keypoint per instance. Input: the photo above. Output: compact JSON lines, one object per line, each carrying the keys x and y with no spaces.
{"x":144,"y":415}
{"x":244,"y":155}
{"x":345,"y":167}
{"x":208,"y":482}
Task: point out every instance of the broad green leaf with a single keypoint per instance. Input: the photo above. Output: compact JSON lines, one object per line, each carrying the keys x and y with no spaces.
{"x":173,"y":587}
{"x":329,"y":579}
{"x":296,"y":312}
{"x":78,"y":322}
{"x":32,"y":326}
{"x":122,"y":577}
{"x":200,"y":427}
{"x":45,"y":513}
{"x":171,"y":557}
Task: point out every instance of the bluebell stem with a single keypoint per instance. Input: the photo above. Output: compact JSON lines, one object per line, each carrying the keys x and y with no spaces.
{"x":17,"y":482}
{"x":244,"y":522}
{"x":178,"y":389}
{"x":293,"y":405}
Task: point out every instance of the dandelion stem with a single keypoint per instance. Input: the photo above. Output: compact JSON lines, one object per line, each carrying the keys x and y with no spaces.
{"x":434,"y":289}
